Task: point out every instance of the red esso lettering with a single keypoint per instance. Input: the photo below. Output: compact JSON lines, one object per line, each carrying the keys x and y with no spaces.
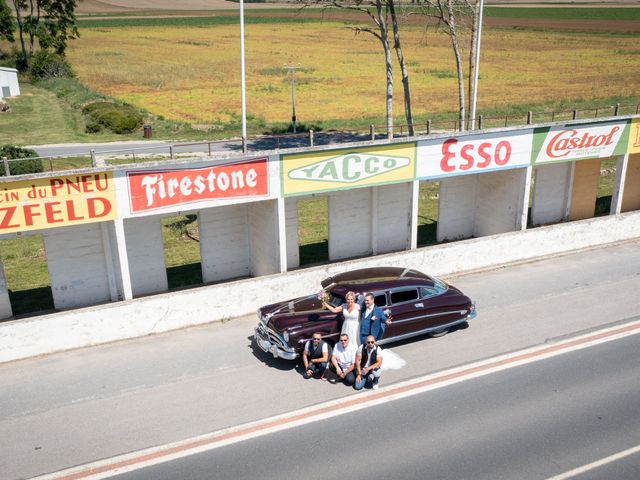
{"x":466,"y":157}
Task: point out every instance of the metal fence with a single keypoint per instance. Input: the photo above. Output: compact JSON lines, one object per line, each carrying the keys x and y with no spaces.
{"x":170,"y":151}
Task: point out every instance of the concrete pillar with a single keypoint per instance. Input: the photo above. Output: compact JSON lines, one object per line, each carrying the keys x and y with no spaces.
{"x":631,"y":196}
{"x":122,"y":259}
{"x":145,"y":255}
{"x":499,"y":201}
{"x":5,"y":303}
{"x":349,"y":223}
{"x":264,"y":237}
{"x":413,"y":226}
{"x":550,"y":193}
{"x":456,"y":207}
{"x":393,"y":213}
{"x":585,"y":189}
{"x":618,"y":187}
{"x":291,"y":226}
{"x":282,"y":236}
{"x":77,"y":266}
{"x":224,"y":243}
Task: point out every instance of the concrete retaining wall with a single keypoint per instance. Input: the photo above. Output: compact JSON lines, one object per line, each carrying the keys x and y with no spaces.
{"x":350,"y":223}
{"x":160,"y":313}
{"x":145,"y":252}
{"x":550,"y":193}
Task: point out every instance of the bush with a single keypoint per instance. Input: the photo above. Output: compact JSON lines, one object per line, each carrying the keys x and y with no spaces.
{"x":116,"y":117}
{"x":45,"y":64}
{"x":23,"y":166}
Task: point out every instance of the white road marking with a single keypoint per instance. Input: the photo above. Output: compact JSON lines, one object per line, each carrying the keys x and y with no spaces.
{"x":592,"y":466}
{"x":164,"y":453}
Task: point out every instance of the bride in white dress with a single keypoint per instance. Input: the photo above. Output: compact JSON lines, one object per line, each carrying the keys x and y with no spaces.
{"x":351,"y":313}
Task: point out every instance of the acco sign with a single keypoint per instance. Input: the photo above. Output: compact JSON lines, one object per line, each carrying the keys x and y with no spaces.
{"x":314,"y":172}
{"x":576,"y":142}
{"x":473,"y":154}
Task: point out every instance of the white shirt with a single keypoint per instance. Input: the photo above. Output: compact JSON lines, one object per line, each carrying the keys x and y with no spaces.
{"x":345,"y":356}
{"x":325,"y":349}
{"x":378,"y":354}
{"x":368,"y":311}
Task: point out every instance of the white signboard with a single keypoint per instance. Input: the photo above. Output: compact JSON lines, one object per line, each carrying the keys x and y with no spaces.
{"x":574,"y":142}
{"x":467,"y":154}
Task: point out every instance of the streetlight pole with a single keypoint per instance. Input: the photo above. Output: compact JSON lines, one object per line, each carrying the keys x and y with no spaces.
{"x":292,"y":69}
{"x":242,"y":80}
{"x":475,"y":73}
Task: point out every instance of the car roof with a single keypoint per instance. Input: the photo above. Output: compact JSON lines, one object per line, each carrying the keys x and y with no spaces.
{"x":376,"y":277}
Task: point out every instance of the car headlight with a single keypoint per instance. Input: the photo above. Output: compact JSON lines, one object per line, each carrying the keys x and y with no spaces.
{"x":285,"y":335}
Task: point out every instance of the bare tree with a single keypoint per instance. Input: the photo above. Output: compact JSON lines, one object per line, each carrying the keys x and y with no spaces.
{"x":403,"y":68}
{"x":472,"y":54}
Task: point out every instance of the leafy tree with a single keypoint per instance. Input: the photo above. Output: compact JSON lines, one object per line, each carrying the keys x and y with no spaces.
{"x":7,"y":23}
{"x":51,"y":22}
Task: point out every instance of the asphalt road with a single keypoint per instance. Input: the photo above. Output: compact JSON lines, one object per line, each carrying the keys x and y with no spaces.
{"x":528,"y":423}
{"x":72,"y":408}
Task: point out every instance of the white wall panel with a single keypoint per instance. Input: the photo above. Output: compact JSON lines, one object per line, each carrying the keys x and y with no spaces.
{"x":5,"y":304}
{"x":550,"y":193}
{"x":145,"y":251}
{"x":456,"y":207}
{"x":349,"y":223}
{"x":497,"y":201}
{"x":77,"y":266}
{"x":224,"y":242}
{"x":394,"y":217}
{"x":291,"y":225}
{"x":263,"y":228}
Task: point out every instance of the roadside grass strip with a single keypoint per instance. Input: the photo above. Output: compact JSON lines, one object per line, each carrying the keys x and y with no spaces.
{"x":164,"y":453}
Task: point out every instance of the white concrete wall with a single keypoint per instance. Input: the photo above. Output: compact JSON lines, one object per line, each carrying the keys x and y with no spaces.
{"x":77,"y":266}
{"x":145,"y":251}
{"x":9,"y":78}
{"x":291,"y":227}
{"x":5,"y":303}
{"x":393,"y":230}
{"x":263,"y":235}
{"x":159,"y":313}
{"x":224,"y":243}
{"x":457,"y":207}
{"x":349,"y":223}
{"x":498,"y":201}
{"x":550,"y":193}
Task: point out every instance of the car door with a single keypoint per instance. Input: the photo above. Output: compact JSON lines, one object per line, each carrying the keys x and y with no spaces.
{"x":406,"y":309}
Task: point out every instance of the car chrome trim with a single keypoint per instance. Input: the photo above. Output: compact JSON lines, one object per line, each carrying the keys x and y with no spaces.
{"x":400,"y":322}
{"x":397,"y":338}
{"x":274,"y":343}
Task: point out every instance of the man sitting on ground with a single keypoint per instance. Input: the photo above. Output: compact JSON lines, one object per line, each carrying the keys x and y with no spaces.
{"x":315,"y":356}
{"x":343,"y":360}
{"x":368,"y":363}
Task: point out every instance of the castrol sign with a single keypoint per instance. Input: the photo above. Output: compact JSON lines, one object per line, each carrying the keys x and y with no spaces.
{"x":474,"y":154}
{"x":576,"y":142}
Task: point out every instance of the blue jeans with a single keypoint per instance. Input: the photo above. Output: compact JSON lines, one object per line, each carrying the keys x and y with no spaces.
{"x":318,"y":368}
{"x":370,"y":379}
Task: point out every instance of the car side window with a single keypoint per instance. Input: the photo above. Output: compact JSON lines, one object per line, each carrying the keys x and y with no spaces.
{"x":405,"y":295}
{"x":426,"y":292}
{"x":380,"y":300}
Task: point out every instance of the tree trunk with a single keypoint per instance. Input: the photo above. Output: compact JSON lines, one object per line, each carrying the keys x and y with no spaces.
{"x":403,"y":69}
{"x":472,"y":57}
{"x":384,"y":39}
{"x":20,"y":22}
{"x":453,"y":31}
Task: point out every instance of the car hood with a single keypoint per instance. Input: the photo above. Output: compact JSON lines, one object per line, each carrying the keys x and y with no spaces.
{"x":294,"y":312}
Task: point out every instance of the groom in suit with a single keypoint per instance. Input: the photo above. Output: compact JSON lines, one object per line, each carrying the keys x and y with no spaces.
{"x":373,"y":321}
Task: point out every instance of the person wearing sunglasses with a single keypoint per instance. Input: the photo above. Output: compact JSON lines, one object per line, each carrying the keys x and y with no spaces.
{"x":343,"y":360}
{"x":315,"y":356}
{"x":368,"y":363}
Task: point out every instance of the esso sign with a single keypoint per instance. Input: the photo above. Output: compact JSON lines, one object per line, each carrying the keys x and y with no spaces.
{"x":464,"y":156}
{"x":474,"y":153}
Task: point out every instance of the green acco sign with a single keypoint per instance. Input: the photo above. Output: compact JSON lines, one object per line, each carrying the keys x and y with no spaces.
{"x":318,"y":171}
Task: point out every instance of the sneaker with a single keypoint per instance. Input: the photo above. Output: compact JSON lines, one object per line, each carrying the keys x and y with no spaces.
{"x":376,"y":386}
{"x":323,"y":378}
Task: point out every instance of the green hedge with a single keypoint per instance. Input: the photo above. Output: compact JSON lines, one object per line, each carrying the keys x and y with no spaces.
{"x":118,"y":118}
{"x":45,"y":64}
{"x":21,"y":167}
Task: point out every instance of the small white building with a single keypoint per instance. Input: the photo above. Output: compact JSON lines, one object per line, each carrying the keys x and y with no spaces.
{"x":9,"y":86}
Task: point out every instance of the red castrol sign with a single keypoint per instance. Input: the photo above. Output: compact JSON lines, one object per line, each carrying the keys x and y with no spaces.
{"x":474,"y":154}
{"x":575,"y":142}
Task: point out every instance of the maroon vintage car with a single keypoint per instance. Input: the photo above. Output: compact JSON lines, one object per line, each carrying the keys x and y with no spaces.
{"x":417,"y":303}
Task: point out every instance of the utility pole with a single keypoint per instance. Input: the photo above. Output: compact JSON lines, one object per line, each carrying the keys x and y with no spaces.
{"x":475,"y":73}
{"x":242,"y":80}
{"x":292,"y":70}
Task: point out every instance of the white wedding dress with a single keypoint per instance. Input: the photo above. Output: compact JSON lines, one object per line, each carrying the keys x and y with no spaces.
{"x":351,"y":324}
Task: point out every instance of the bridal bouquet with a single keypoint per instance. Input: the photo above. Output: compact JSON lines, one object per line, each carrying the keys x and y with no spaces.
{"x":324,"y":298}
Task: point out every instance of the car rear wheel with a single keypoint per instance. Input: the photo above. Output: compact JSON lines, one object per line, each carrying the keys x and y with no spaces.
{"x":440,"y":332}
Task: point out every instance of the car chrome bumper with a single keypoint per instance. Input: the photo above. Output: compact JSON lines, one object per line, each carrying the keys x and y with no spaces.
{"x":267,"y":345}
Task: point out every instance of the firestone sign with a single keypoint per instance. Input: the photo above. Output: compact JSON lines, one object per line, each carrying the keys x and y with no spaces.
{"x":315,"y":172}
{"x":578,"y":142}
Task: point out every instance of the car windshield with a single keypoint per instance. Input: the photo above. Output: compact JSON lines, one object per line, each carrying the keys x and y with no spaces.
{"x":335,"y":300}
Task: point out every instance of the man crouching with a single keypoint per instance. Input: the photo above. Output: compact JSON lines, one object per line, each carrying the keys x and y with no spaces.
{"x":368,"y":363}
{"x":315,"y":356}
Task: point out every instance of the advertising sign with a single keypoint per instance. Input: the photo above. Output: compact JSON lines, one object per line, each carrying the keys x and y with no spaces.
{"x":566,"y":143}
{"x":634,"y":136}
{"x":56,"y":201}
{"x":347,"y":168}
{"x":467,"y":154}
{"x":161,"y":189}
